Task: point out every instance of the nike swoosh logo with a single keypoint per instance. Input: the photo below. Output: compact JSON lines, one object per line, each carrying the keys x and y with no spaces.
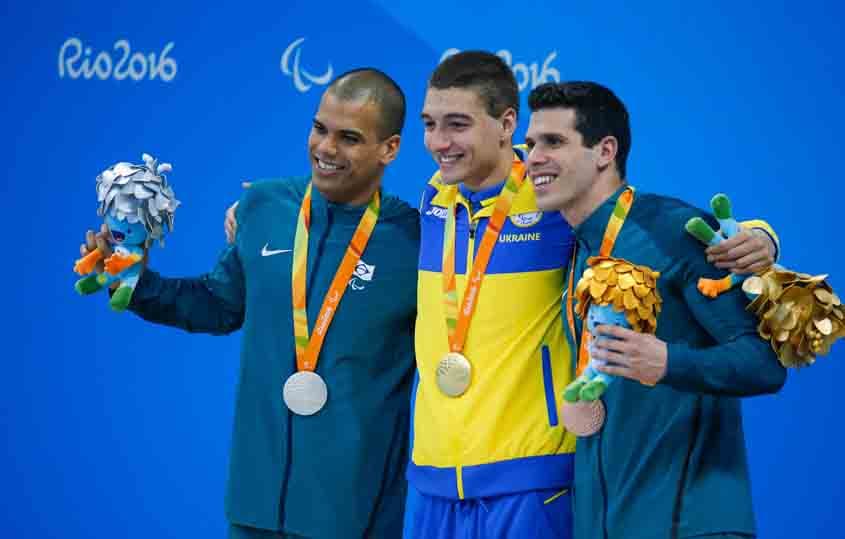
{"x":269,"y":252}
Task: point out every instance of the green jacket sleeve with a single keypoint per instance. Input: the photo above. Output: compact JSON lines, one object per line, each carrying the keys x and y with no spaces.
{"x":739,"y":364}
{"x":212,"y":303}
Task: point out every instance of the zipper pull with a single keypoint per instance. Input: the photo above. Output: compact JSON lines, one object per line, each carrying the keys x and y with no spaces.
{"x":472,"y":225}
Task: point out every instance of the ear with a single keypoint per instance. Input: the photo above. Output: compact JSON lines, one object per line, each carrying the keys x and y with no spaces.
{"x":606,"y":150}
{"x":389,"y":149}
{"x":509,"y":121}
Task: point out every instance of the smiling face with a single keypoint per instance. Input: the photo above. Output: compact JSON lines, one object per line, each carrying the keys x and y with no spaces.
{"x":562,"y":168}
{"x":347,"y":156}
{"x":125,"y":233}
{"x":468,"y":144}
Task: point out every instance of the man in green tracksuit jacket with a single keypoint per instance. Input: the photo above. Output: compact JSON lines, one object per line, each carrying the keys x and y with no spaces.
{"x":670,"y":460}
{"x":339,"y":472}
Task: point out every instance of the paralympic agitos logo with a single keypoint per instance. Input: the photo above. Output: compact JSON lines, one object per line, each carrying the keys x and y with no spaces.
{"x":291,"y":65}
{"x":528,"y":74}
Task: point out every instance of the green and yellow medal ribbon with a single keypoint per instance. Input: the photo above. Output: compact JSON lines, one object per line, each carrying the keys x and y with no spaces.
{"x":457,"y":322}
{"x":614,"y":225}
{"x":308,"y":349}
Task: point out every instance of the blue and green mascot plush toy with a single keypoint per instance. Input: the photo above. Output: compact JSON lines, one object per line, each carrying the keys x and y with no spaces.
{"x":799,"y":314}
{"x":138,"y":206}
{"x":617,"y":292}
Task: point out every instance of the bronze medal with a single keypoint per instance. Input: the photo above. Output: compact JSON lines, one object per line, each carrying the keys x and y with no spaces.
{"x":583,"y":418}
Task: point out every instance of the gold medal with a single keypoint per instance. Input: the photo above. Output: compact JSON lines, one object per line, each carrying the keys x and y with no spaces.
{"x":454,"y":373}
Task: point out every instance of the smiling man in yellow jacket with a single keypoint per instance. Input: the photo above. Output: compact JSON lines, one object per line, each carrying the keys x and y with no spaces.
{"x":490,"y":455}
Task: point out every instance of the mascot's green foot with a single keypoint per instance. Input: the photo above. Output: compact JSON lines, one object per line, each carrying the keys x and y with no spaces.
{"x":573,"y":390}
{"x":87,"y":285}
{"x":120,"y":299}
{"x":593,"y":390}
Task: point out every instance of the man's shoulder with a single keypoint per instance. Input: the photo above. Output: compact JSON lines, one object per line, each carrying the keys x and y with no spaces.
{"x":290,"y":188}
{"x":395,"y":208}
{"x":663,"y":219}
{"x":664,"y":213}
{"x":435,"y":186}
{"x":395,"y":212}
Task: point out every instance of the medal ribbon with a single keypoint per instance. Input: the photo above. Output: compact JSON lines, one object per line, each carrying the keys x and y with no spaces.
{"x":307,"y":349}
{"x":614,"y":225}
{"x":457,"y":322}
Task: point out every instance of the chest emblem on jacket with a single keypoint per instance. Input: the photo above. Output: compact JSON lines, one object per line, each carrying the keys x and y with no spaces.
{"x":524,"y":220}
{"x":270,"y":252}
{"x":362,"y":274}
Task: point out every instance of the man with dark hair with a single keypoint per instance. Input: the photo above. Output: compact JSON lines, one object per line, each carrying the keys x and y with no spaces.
{"x":490,"y":458}
{"x":670,"y":459}
{"x":488,"y":75}
{"x":323,"y":282}
{"x":598,"y":113}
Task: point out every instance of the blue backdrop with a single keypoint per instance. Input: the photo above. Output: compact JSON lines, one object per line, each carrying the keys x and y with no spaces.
{"x":116,"y":428}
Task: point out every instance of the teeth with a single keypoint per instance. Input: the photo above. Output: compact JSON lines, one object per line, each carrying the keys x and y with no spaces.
{"x":543,"y":180}
{"x":327,"y":166}
{"x":449,"y":158}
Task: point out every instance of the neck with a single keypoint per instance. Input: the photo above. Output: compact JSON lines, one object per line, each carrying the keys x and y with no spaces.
{"x":581,"y":208}
{"x":361,"y":198}
{"x":497,"y":175}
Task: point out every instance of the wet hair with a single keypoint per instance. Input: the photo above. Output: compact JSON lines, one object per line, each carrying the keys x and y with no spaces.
{"x":482,"y":72}
{"x":598,"y":113}
{"x":375,"y":86}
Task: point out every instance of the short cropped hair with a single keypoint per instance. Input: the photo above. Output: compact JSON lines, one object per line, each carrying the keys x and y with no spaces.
{"x":375,"y":86}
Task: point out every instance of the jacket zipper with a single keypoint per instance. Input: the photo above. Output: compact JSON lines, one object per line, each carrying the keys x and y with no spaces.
{"x":679,"y":496}
{"x":603,"y":484}
{"x":473,"y":224}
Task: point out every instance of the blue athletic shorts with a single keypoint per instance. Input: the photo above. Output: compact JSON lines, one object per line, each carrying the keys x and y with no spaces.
{"x":245,"y":532}
{"x":538,"y":514}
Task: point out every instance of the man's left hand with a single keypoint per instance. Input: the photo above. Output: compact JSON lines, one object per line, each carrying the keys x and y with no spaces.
{"x":638,"y":356}
{"x":748,"y":251}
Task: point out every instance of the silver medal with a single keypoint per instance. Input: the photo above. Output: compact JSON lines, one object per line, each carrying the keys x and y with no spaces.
{"x":305,"y":393}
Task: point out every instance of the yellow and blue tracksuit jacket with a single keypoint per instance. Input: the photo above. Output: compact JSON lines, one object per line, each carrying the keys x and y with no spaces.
{"x":504,"y":434}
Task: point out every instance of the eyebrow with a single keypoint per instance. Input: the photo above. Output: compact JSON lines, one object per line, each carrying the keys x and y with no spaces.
{"x":353,"y":132}
{"x":547,"y":134}
{"x":450,"y":116}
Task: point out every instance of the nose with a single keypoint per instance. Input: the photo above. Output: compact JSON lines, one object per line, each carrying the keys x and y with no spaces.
{"x":327,"y":146}
{"x":437,"y":141}
{"x":535,"y":158}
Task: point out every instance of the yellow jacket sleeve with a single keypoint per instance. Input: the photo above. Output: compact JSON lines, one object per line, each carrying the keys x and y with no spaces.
{"x":759,"y":224}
